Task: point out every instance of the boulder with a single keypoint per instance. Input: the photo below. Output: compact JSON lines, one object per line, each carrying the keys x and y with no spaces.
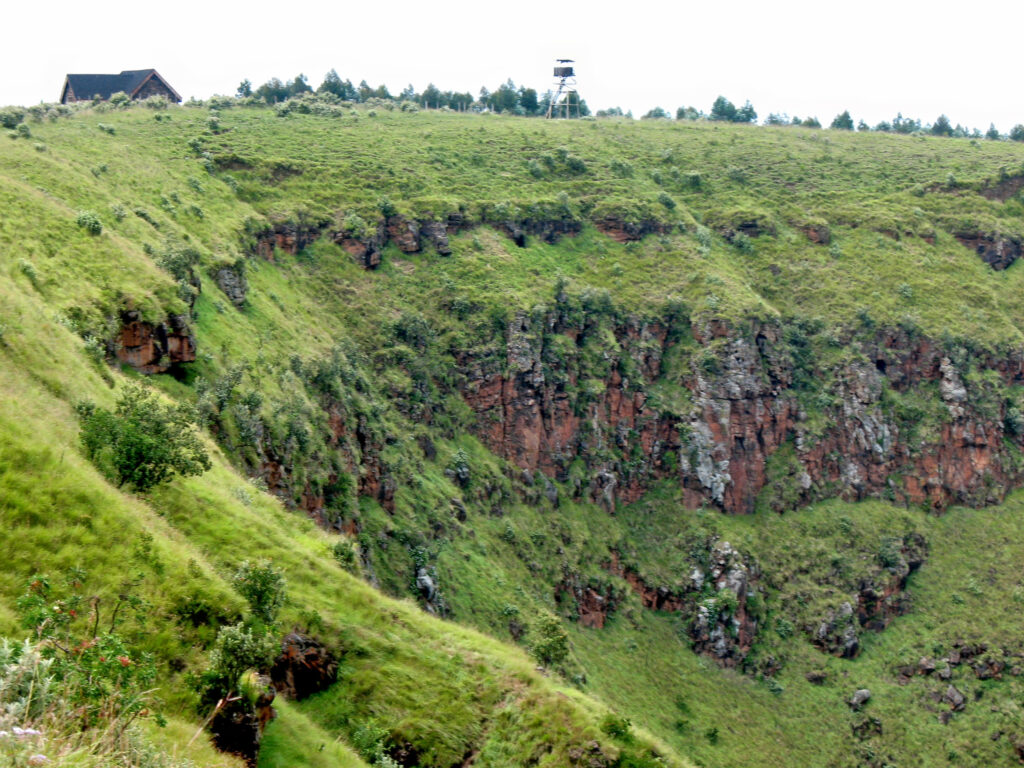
{"x":304,"y":667}
{"x":860,"y":697}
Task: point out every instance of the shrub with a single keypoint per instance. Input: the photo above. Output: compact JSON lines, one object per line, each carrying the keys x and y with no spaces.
{"x":1017,"y":133}
{"x":237,"y":649}
{"x":346,"y":553}
{"x":120,"y":99}
{"x":386,"y":207}
{"x":743,"y":243}
{"x":617,"y":727}
{"x":575,"y":164}
{"x":665,"y":199}
{"x":143,"y":442}
{"x":11,"y":116}
{"x":106,"y":128}
{"x":622,"y":169}
{"x":90,"y":222}
{"x":263,"y":586}
{"x":550,"y":640}
{"x":24,"y":131}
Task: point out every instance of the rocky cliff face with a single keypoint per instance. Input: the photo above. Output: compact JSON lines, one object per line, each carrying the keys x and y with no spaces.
{"x":153,"y":348}
{"x":894,"y":419}
{"x":717,"y":603}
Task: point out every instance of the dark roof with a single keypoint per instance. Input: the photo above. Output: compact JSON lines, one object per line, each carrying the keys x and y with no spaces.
{"x":105,"y":86}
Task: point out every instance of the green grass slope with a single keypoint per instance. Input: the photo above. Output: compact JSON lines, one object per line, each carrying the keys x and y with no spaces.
{"x":383,"y":345}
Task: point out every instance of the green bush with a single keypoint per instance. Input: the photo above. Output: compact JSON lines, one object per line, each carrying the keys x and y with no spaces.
{"x":263,"y":586}
{"x":90,"y":222}
{"x":237,"y":649}
{"x":550,"y":644}
{"x":143,"y":442}
{"x":10,"y":117}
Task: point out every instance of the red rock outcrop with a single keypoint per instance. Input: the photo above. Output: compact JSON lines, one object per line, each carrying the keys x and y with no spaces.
{"x":150,"y":348}
{"x":623,"y":231}
{"x":538,"y":409}
{"x":304,"y":667}
{"x":998,"y":251}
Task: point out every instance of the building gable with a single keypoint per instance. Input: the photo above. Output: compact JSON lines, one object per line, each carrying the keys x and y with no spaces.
{"x":137,"y":83}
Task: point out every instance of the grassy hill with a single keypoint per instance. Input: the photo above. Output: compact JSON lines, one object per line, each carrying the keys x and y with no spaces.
{"x":355,"y":397}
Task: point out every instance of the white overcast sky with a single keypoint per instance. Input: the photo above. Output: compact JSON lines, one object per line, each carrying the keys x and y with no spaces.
{"x":873,"y":57}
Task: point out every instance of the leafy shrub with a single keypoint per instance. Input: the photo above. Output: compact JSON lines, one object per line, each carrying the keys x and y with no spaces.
{"x":665,"y":199}
{"x":617,"y":727}
{"x":90,"y":222}
{"x":237,"y":649}
{"x":743,"y":243}
{"x":103,"y":676}
{"x":622,"y":169}
{"x":24,"y":131}
{"x":107,"y":128}
{"x":120,"y":99}
{"x":575,"y":164}
{"x":1017,"y":133}
{"x":10,"y":117}
{"x":386,"y":207}
{"x":143,"y":442}
{"x":28,"y":269}
{"x":346,"y":554}
{"x":118,"y":211}
{"x":550,"y":644}
{"x":263,"y":586}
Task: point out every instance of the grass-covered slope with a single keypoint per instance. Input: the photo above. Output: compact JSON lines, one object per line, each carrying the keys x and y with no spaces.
{"x":342,"y":389}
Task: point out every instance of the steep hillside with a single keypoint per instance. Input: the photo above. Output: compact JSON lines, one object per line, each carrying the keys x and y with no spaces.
{"x":739,"y":408}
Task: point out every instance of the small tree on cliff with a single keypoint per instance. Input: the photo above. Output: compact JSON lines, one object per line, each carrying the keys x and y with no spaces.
{"x":143,"y":442}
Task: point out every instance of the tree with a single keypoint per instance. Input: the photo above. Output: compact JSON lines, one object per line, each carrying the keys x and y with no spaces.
{"x":144,"y":442}
{"x":686,"y":113}
{"x":272,"y":91}
{"x":656,"y":114}
{"x":723,"y":110}
{"x":244,"y":89}
{"x":993,"y":133}
{"x":842,"y":122}
{"x":811,"y":122}
{"x":746,"y":114}
{"x":299,"y":85}
{"x":1017,"y":133}
{"x":863,"y":127}
{"x":528,"y":100}
{"x":942,"y":127}
{"x":431,"y":96}
{"x":332,"y":84}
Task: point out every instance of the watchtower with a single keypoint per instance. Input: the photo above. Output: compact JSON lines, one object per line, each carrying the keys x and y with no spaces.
{"x":566,"y":99}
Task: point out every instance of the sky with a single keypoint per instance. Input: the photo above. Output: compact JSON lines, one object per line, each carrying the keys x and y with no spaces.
{"x":798,"y":57}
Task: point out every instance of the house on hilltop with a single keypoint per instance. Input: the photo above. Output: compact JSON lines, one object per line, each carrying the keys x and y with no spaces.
{"x":137,"y":83}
